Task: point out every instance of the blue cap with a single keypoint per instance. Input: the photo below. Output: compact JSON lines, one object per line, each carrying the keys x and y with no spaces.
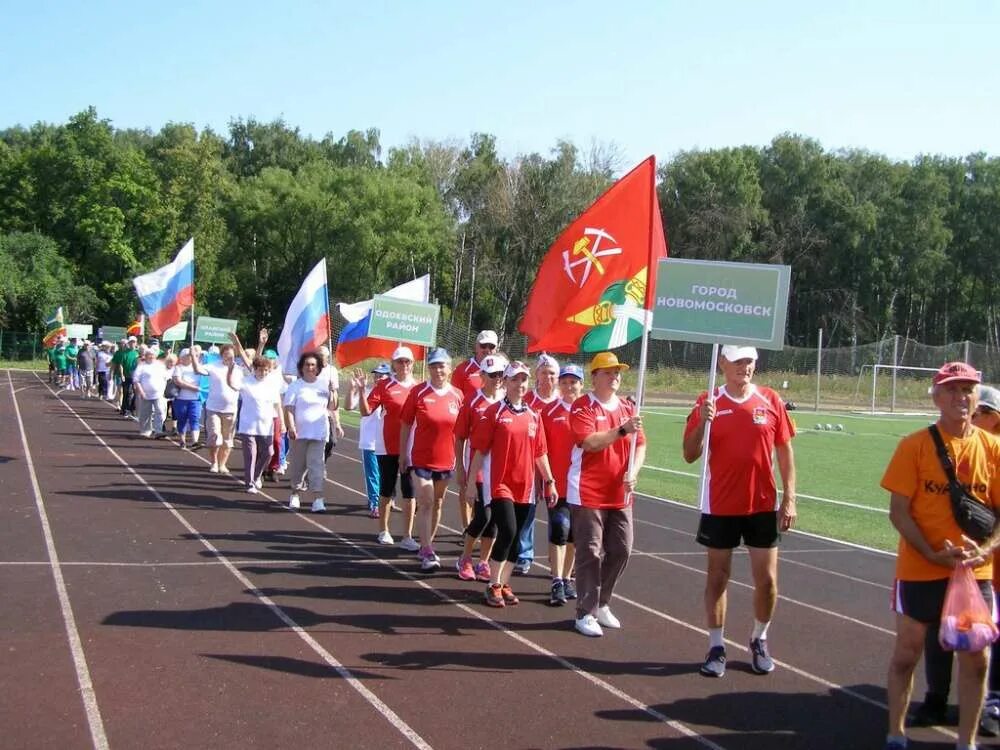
{"x":575,"y":370}
{"x":439,"y":356}
{"x":381,"y":369}
{"x":270,"y":354}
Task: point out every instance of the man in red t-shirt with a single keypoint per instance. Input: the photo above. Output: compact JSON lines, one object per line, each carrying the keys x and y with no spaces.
{"x":467,"y":377}
{"x":599,"y":491}
{"x":749,"y":424}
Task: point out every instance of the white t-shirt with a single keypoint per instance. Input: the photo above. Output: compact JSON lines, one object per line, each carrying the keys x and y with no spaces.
{"x":222,"y":398}
{"x":370,"y":437}
{"x":187,"y":374}
{"x":151,"y":379}
{"x":257,"y":405}
{"x":309,"y":403}
{"x":331,"y":377}
{"x":103,"y":360}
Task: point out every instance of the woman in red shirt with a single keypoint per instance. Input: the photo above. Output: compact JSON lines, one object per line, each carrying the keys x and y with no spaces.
{"x":427,"y":447}
{"x":391,"y":394}
{"x":509,"y":444}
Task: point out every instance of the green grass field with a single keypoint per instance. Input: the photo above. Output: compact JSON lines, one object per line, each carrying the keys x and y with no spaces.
{"x":833,"y":468}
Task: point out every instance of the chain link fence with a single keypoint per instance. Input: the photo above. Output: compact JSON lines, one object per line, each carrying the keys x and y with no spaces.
{"x":17,"y":346}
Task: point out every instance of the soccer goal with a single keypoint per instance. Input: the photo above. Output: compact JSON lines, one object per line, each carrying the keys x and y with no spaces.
{"x":892,"y":385}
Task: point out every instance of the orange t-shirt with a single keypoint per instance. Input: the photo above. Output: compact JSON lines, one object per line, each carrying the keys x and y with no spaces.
{"x":915,"y":472}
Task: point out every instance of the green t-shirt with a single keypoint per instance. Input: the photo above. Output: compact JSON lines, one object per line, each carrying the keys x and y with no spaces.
{"x":59,"y":353}
{"x":71,"y":354}
{"x":130,"y":360}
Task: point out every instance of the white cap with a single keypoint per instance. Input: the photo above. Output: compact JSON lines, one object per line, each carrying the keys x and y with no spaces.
{"x":493,"y":363}
{"x":516,"y":368}
{"x":132,"y":338}
{"x":184,"y":352}
{"x":402,"y":352}
{"x":735,"y":353}
{"x":547,"y":360}
{"x":488,"y":337}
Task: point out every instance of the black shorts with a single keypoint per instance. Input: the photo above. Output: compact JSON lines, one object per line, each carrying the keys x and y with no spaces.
{"x":388,"y":470}
{"x":924,"y":600}
{"x":434,"y":476}
{"x":725,"y":532}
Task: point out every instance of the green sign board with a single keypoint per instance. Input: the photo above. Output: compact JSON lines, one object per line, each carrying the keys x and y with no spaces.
{"x":178,"y":332}
{"x":214,"y":330}
{"x":112,"y":333}
{"x":79,"y":330}
{"x":404,"y":320}
{"x":718,"y":302}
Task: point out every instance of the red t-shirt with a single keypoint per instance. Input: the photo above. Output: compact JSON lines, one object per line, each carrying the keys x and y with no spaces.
{"x":472,"y":410}
{"x":511,"y":441}
{"x":535,"y":402}
{"x":390,"y":394}
{"x":595,"y":477}
{"x":432,"y":414}
{"x":740,"y":449}
{"x":560,"y":442}
{"x":467,"y":377}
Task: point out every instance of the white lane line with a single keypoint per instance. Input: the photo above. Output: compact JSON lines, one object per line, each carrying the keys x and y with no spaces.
{"x":391,"y":716}
{"x":333,"y":557}
{"x":98,"y":736}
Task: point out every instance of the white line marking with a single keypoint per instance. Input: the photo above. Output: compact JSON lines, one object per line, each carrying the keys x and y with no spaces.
{"x":97,"y":734}
{"x":331,"y":557}
{"x":394,"y":719}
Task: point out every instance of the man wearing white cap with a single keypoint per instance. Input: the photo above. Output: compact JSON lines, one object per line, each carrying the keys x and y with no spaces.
{"x":749,"y":425}
{"x":467,"y":377}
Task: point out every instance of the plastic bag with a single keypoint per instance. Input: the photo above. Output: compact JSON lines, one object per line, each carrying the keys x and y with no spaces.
{"x":966,"y":622}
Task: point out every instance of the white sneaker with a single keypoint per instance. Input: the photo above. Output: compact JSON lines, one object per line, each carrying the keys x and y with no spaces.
{"x":410,"y":544}
{"x":605,"y":618}
{"x":384,"y":537}
{"x":259,"y":484}
{"x":294,"y":503}
{"x":251,"y":490}
{"x":214,"y":469}
{"x":589,"y":626}
{"x":319,"y":506}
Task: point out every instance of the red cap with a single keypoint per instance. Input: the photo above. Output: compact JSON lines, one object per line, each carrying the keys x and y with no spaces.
{"x":952,"y":371}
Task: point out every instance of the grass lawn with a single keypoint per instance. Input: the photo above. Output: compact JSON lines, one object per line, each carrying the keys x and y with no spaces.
{"x":841,"y":466}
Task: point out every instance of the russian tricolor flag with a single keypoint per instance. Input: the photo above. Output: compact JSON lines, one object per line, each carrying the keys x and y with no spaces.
{"x":167,"y":292}
{"x":354,"y":344}
{"x":307,"y":322}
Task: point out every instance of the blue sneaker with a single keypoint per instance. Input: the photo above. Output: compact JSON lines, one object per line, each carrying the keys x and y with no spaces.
{"x":895,"y":745}
{"x":715,"y":662}
{"x":557,"y":596}
{"x":569,"y":587}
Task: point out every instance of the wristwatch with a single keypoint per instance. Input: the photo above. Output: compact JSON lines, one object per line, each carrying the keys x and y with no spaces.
{"x":622,"y":431}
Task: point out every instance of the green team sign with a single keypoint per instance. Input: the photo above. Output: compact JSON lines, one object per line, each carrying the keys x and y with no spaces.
{"x":178,"y":332}
{"x":112,"y":333}
{"x":79,"y":330}
{"x":717,"y":302}
{"x":402,"y":320}
{"x":214,"y":330}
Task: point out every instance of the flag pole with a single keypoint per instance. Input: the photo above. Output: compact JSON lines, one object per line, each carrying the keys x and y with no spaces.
{"x":703,"y":482}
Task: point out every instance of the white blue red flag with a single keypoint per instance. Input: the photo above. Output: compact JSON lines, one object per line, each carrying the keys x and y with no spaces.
{"x":354,"y":343}
{"x":167,"y":292}
{"x":307,"y":322}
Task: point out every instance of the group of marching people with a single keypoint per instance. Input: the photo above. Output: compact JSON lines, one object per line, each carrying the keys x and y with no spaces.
{"x":507,"y":445}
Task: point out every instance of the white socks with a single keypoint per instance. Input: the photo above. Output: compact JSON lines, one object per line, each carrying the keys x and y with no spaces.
{"x":715,"y":638}
{"x":759,"y":630}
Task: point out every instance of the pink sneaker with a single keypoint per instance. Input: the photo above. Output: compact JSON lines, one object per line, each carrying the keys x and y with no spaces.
{"x":482,"y":571}
{"x":465,"y":570}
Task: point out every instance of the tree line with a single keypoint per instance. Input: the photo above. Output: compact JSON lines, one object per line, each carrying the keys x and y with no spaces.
{"x":877,"y":247}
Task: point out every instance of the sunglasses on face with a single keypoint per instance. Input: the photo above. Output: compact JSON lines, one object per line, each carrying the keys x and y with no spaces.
{"x":494,"y":375}
{"x":491,"y":347}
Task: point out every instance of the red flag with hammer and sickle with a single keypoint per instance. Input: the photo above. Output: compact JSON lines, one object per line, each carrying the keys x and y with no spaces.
{"x":597,"y":280}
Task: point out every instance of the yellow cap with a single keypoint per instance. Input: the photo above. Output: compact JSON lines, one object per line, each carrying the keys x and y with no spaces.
{"x":603,"y":360}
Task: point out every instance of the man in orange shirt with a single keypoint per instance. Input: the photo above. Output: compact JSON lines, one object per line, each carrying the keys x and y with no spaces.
{"x":931,"y":542}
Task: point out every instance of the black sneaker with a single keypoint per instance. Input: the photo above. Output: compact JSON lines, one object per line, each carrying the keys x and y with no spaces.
{"x":715,"y":662}
{"x":196,"y":445}
{"x":760,"y":660}
{"x":933,"y":712}
{"x":557,"y":597}
{"x":569,"y":587}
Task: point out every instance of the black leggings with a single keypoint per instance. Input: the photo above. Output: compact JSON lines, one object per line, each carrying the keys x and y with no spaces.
{"x":510,"y":518}
{"x":482,"y":524}
{"x":560,"y":530}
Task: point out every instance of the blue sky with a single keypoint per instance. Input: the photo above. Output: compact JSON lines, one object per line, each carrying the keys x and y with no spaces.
{"x":899,"y":78}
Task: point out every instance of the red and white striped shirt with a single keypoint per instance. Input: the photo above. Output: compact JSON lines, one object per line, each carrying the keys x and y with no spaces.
{"x":511,"y":441}
{"x":433,"y":414}
{"x":595,"y":477}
